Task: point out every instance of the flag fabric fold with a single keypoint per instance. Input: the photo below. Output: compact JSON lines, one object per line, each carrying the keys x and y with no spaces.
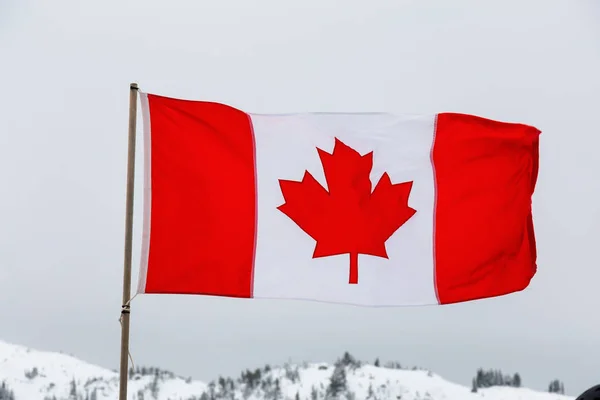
{"x":371,"y":209}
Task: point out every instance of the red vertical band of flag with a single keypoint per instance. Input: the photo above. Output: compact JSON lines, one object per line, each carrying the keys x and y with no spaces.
{"x":203,"y":204}
{"x":486,"y":173}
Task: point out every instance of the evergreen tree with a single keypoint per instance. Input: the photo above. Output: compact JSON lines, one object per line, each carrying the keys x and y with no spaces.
{"x":376,"y":362}
{"x":371,"y":393}
{"x":314,"y":395}
{"x":154,"y":387}
{"x":517,"y":380}
{"x":73,"y":390}
{"x":212,"y":395}
{"x":348,"y":360}
{"x":31,"y":374}
{"x":292,"y":373}
{"x":5,"y":392}
{"x":337,"y":382}
{"x":251,"y":378}
{"x":277,"y":395}
{"x":556,"y":386}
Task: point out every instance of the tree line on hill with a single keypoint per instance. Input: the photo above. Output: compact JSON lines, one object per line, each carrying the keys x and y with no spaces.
{"x":5,"y":392}
{"x":269,"y":385}
{"x":495,"y":377}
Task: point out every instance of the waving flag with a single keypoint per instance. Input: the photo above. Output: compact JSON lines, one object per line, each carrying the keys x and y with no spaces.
{"x":370,"y":209}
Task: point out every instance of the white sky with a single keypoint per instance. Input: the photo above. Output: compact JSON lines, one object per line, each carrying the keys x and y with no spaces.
{"x":65,"y":67}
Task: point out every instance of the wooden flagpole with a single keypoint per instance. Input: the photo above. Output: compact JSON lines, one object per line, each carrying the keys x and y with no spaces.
{"x":125,"y":309}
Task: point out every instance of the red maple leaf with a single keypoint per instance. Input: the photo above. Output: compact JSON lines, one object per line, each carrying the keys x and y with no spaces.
{"x":348,"y":218}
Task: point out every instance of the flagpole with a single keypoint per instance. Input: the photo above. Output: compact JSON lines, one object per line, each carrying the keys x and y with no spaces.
{"x":125,"y":309}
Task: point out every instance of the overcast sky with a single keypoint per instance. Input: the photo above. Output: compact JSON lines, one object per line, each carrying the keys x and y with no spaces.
{"x":65,"y":67}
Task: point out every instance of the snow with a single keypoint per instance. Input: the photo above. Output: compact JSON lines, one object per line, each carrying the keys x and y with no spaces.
{"x":59,"y":375}
{"x":57,"y":371}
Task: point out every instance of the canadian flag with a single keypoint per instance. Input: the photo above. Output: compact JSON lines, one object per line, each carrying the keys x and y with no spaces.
{"x":371,"y":209}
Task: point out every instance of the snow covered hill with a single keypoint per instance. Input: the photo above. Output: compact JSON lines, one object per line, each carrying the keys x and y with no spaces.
{"x":27,"y":374}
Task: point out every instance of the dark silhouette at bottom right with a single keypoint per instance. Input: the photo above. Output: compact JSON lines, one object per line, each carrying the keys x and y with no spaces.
{"x":592,"y":393}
